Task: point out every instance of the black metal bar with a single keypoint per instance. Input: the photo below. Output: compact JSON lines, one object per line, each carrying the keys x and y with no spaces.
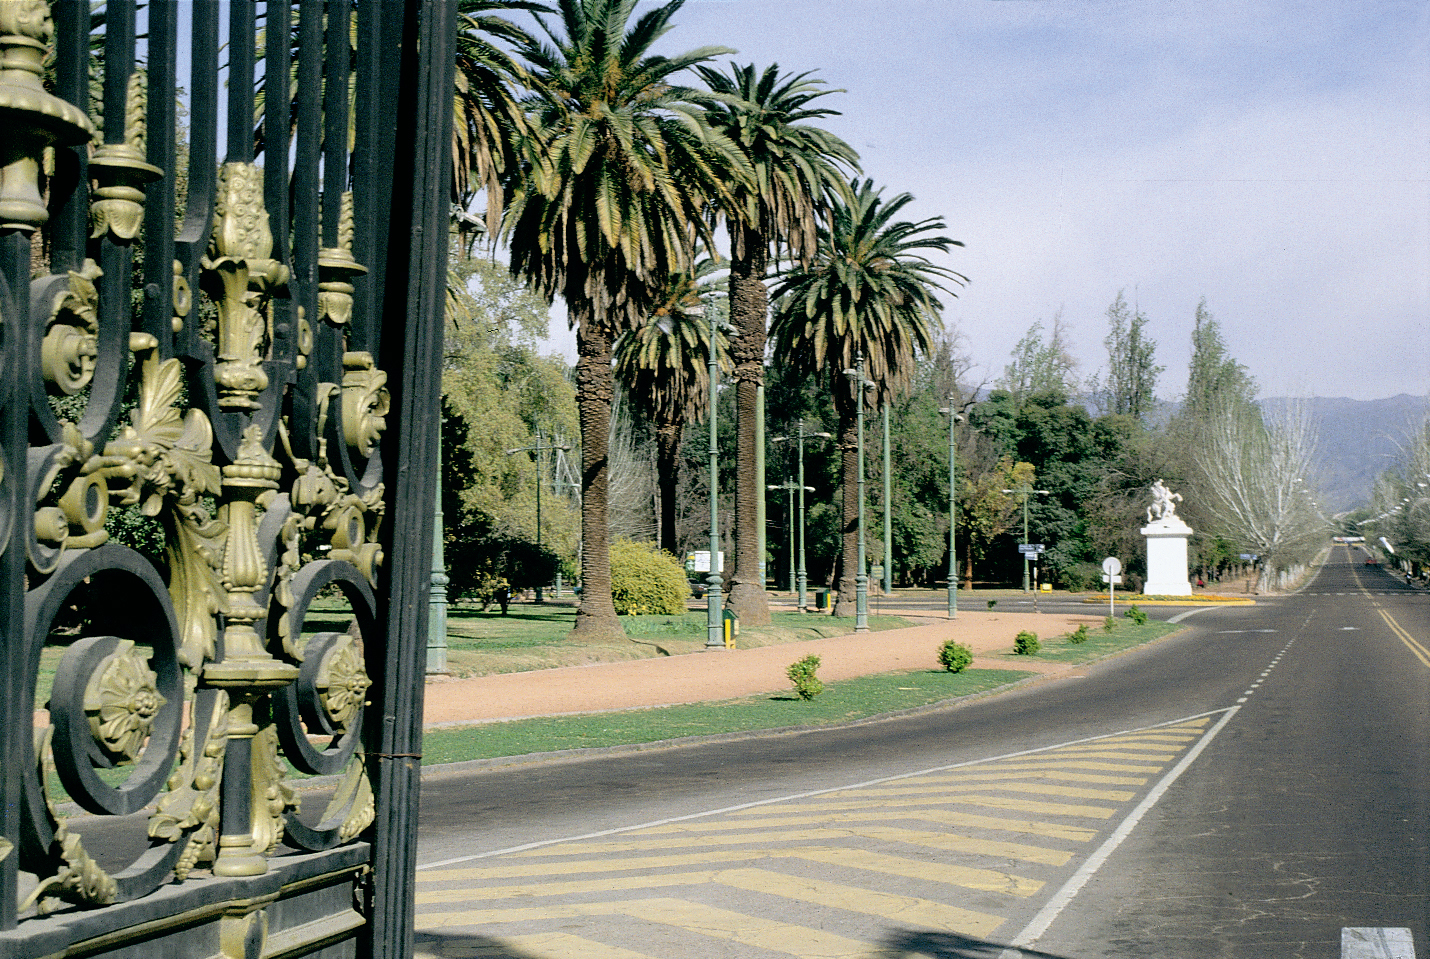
{"x":411,"y":344}
{"x":14,"y":534}
{"x":203,"y":160}
{"x":241,"y":43}
{"x":158,"y":309}
{"x":277,"y":116}
{"x":375,"y":142}
{"x":336,"y":117}
{"x":69,"y":209}
{"x":305,"y":180}
{"x":118,"y":65}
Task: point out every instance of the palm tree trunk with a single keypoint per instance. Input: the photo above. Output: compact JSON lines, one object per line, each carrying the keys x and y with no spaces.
{"x":846,"y":604}
{"x":749,"y":308}
{"x":595,"y":391}
{"x":667,"y":466}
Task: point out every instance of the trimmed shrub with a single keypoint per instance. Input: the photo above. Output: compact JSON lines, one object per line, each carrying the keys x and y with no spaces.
{"x":646,"y":580}
{"x":801,"y":673}
{"x":1026,"y":643}
{"x":1136,"y":615}
{"x":1079,"y":635}
{"x":954,"y":657}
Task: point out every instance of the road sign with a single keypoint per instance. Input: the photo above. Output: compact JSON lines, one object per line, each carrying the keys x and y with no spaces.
{"x":1031,"y":549}
{"x":1112,"y":566}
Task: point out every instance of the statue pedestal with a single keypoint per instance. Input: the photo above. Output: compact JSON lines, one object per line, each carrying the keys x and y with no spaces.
{"x":1167,"y":558}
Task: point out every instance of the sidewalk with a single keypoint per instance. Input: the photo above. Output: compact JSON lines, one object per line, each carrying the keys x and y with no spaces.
{"x":728,"y":674}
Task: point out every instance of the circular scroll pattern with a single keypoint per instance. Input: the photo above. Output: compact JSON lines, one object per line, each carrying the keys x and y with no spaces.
{"x":109,"y":706}
{"x":327,"y":701}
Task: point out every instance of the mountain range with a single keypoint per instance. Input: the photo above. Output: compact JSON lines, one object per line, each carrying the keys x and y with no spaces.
{"x":1359,"y":440}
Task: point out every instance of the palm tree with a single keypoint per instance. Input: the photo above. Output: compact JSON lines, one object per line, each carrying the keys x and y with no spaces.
{"x":798,"y":169}
{"x":487,"y":115}
{"x":664,"y":367}
{"x":615,"y":174}
{"x":870,"y":293}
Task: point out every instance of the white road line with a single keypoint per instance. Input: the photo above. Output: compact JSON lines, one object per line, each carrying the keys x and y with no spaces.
{"x":1074,"y":885}
{"x":1370,"y":942}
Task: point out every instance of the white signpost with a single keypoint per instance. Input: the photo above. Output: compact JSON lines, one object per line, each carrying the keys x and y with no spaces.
{"x":1111,"y":570}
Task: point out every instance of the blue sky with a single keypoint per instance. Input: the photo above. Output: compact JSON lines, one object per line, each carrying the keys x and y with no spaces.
{"x":1270,"y":156}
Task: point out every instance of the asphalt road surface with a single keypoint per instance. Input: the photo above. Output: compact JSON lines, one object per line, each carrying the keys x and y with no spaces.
{"x":1252,"y":787}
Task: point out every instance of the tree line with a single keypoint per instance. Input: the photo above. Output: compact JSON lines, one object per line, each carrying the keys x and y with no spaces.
{"x":667,"y":202}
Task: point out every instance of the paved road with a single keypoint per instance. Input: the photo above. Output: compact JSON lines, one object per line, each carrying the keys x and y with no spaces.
{"x":1249,"y":788}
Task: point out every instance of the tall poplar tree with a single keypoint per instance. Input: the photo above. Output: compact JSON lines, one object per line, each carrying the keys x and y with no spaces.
{"x":1132,"y":371}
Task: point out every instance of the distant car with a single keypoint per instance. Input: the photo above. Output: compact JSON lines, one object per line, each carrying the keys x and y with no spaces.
{"x":697,"y":589}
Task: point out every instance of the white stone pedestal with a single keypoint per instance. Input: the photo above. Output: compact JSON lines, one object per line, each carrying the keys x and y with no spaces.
{"x":1167,"y":558}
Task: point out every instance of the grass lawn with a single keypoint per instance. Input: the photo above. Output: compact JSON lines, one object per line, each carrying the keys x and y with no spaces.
{"x":841,"y":702}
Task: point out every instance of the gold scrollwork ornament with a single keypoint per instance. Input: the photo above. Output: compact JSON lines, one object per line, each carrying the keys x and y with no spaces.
{"x":365,"y":402}
{"x":120,"y":174}
{"x":31,"y":117}
{"x":71,"y":346}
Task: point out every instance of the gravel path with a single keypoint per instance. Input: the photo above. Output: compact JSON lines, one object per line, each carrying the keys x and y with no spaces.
{"x":728,"y":674}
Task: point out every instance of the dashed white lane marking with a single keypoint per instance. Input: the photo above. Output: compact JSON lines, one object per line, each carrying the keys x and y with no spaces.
{"x":1371,"y":942}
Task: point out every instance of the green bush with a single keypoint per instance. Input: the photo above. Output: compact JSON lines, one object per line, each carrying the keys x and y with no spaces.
{"x":1079,"y":635}
{"x":646,"y":580}
{"x":801,"y":673}
{"x":1136,"y":615}
{"x":1026,"y":643}
{"x":955,"y":657}
{"x":1081,"y":577}
{"x":1108,"y":624}
{"x":992,"y":603}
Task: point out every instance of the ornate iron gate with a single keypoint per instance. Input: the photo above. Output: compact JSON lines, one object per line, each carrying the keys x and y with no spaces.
{"x":219,"y":367}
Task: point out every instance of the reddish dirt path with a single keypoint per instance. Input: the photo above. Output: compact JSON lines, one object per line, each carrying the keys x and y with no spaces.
{"x":727,"y":674}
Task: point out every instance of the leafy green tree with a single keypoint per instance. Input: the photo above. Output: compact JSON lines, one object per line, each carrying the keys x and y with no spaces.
{"x":986,"y":512}
{"x":1041,"y":366}
{"x":499,"y":394}
{"x":1132,"y":371}
{"x":798,"y":167}
{"x":870,"y":294}
{"x":664,"y":367}
{"x":1214,"y":379}
{"x":608,"y":199}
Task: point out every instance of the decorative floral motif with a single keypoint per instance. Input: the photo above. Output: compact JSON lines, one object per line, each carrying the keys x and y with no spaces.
{"x":122,"y":701}
{"x":343,"y":682}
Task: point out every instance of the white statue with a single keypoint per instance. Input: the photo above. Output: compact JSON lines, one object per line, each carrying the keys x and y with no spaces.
{"x":1164,"y":503}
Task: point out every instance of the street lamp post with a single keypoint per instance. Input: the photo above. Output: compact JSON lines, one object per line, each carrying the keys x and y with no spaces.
{"x":714,"y":638}
{"x":1026,"y":490}
{"x":538,"y":449}
{"x":798,"y":438}
{"x":888,"y":578}
{"x":861,"y":573}
{"x":953,"y":419}
{"x":789,"y":486}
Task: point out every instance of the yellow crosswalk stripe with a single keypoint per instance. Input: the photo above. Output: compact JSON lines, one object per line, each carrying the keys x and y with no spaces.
{"x":986,"y":880}
{"x":875,"y":811}
{"x":909,"y":911}
{"x":716,"y":923}
{"x":935,"y":840}
{"x":1042,"y":808}
{"x":547,"y":945}
{"x":1042,"y":789}
{"x":1083,"y":763}
{"x":965,"y":876}
{"x":985,"y":774}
